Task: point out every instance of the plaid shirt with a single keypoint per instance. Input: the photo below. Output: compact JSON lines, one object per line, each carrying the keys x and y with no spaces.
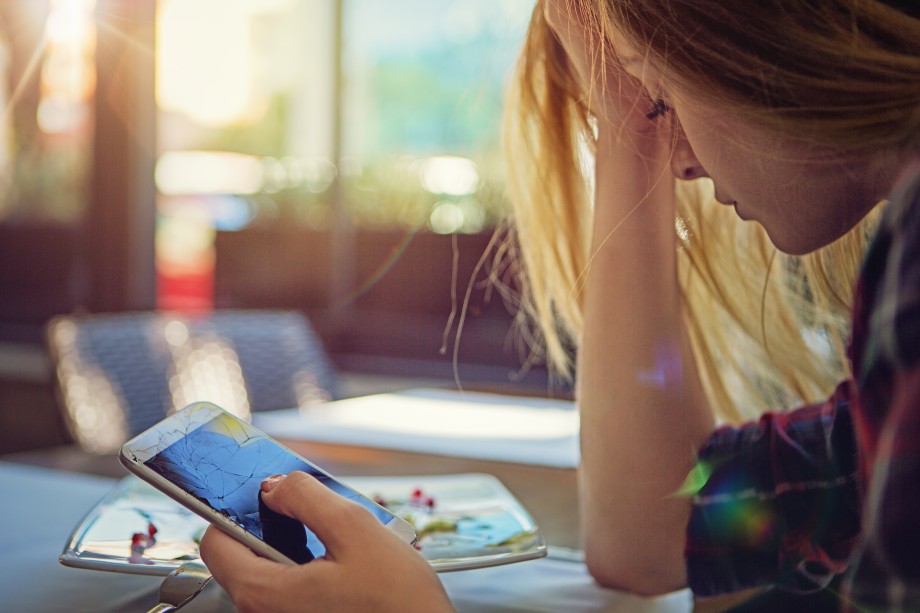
{"x":798,"y":498}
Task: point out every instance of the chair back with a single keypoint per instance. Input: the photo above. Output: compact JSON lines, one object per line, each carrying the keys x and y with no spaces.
{"x":119,"y":373}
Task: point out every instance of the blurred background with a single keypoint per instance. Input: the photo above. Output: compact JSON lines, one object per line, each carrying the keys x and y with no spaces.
{"x":340,"y":158}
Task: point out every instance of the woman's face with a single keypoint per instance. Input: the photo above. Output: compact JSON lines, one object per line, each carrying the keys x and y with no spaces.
{"x":803,"y":196}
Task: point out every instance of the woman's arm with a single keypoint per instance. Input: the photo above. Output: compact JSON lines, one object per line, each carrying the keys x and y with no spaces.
{"x":643,"y":412}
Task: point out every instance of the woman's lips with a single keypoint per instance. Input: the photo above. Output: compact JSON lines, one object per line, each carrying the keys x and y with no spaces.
{"x":731,"y":203}
{"x":725,"y":201}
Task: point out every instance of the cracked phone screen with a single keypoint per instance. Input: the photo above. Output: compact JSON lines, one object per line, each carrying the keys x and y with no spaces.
{"x":223,"y":463}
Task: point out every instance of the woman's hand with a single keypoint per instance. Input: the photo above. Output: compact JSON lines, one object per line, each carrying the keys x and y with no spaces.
{"x":618,"y":99}
{"x":366,"y":566}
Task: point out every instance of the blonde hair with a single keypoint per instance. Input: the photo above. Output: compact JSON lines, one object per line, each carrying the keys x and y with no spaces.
{"x":769,"y":330}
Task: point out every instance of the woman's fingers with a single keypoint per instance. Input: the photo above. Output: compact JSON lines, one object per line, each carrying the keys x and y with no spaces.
{"x":342,"y":525}
{"x":615,"y":94}
{"x":258,"y":584}
{"x":232,"y":563}
{"x":569,"y":30}
{"x":367,"y":567}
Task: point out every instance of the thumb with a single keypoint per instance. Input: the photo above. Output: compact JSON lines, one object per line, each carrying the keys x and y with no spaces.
{"x":336,"y":520}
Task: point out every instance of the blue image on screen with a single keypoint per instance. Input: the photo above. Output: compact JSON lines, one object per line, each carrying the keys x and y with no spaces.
{"x":223,"y":464}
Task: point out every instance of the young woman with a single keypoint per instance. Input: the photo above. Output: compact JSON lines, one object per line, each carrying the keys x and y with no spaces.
{"x":691,"y":307}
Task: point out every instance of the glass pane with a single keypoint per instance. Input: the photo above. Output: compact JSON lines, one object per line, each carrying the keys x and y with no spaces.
{"x":248,"y":114}
{"x":243,"y":90}
{"x":47,"y":83}
{"x":423,"y":103}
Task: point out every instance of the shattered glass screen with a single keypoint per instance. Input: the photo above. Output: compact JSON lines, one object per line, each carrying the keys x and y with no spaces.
{"x":223,"y":463}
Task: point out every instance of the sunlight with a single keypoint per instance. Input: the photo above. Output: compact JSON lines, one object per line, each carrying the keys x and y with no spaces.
{"x":205,"y":60}
{"x":206,"y":367}
{"x":452,"y":175}
{"x":430,"y":417}
{"x":94,"y":403}
{"x":209,"y":172}
{"x":68,"y":78}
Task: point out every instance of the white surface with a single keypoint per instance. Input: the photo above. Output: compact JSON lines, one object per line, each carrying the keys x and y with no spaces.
{"x":551,"y":586}
{"x":462,"y":424}
{"x":41,"y":507}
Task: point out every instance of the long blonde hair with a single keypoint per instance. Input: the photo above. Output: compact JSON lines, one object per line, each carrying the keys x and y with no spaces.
{"x":769,"y":330}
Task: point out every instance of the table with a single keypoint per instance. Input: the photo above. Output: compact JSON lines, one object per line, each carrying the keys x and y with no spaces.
{"x":42,"y":505}
{"x":550,"y":494}
{"x":536,"y":464}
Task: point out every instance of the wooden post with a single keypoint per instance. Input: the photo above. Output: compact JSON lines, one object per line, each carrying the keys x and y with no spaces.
{"x":120,"y":271}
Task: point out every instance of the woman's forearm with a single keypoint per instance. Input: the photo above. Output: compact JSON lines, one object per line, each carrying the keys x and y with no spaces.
{"x":642,"y":407}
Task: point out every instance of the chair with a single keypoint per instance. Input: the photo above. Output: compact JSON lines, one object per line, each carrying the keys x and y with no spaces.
{"x":118,"y":374}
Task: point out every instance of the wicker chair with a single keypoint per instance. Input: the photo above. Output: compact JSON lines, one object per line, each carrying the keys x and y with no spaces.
{"x":118,"y":374}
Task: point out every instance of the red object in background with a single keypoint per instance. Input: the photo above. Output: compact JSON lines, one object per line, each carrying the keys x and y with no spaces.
{"x":185,"y":290}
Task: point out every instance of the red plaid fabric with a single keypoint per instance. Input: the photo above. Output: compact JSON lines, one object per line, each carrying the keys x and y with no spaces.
{"x":798,"y":498}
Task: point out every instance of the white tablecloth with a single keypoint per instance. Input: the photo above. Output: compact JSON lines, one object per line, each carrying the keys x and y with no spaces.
{"x":536,"y":431}
{"x":39,"y":509}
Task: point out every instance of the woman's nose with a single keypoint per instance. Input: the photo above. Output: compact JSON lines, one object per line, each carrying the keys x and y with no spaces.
{"x":684,"y":164}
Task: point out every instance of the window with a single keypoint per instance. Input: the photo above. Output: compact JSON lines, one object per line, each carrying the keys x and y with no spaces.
{"x":422,"y":107}
{"x":48,"y":76}
{"x":63,"y":243}
{"x":341,"y":158}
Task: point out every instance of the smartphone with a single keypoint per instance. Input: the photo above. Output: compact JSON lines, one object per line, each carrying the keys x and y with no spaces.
{"x":212,"y":462}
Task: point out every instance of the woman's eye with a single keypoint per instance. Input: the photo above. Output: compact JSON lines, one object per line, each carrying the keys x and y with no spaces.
{"x":659,"y":108}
